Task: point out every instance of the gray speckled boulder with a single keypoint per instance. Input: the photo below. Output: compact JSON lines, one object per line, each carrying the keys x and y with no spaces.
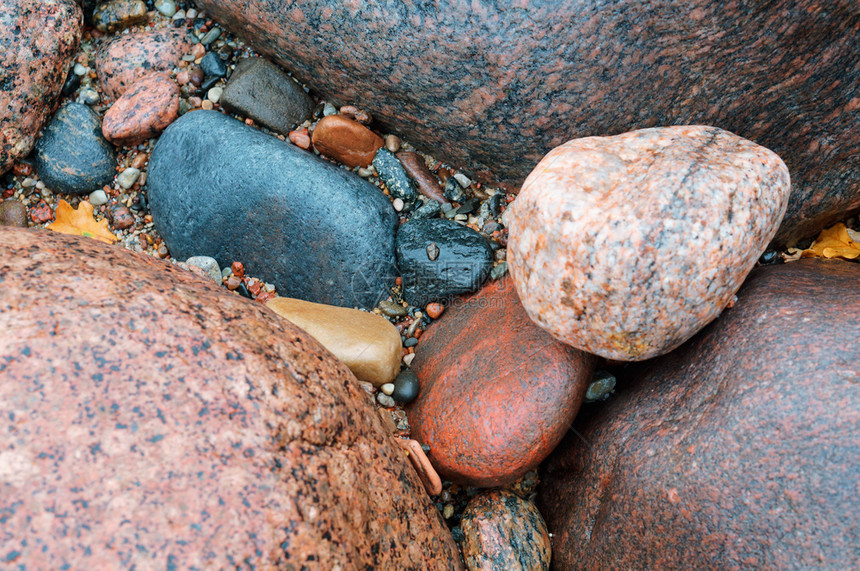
{"x":38,"y":41}
{"x":152,"y":420}
{"x":738,"y":450}
{"x":492,"y":86}
{"x":72,"y":156}
{"x":318,"y":232}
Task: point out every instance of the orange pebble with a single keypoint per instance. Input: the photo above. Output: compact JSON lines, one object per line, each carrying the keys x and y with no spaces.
{"x":434,"y":310}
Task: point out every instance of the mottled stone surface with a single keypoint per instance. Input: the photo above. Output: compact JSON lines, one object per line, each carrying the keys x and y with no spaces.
{"x":626,"y":246}
{"x":739,"y":450}
{"x":394,"y":177}
{"x":503,"y":531}
{"x":124,"y":59}
{"x":493,"y":86}
{"x":72,"y":156}
{"x":346,"y":140}
{"x":38,"y":40}
{"x":366,"y":343}
{"x":264,"y":92}
{"x":220,"y":188}
{"x":114,"y":15}
{"x":439,"y":259}
{"x":143,"y":111}
{"x":13,"y":213}
{"x":153,"y":420}
{"x":497,"y":392}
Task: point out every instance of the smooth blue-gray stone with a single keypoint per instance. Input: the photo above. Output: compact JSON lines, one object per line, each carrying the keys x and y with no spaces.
{"x":220,"y":188}
{"x":72,"y":156}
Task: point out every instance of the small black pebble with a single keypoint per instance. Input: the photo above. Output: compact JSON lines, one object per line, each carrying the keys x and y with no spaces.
{"x":469,"y":206}
{"x":453,"y":191}
{"x":209,"y":82}
{"x":495,"y":203}
{"x":213,"y":66}
{"x":405,"y":387}
{"x":179,"y":23}
{"x":769,"y":257}
{"x":73,"y":82}
{"x":243,"y":291}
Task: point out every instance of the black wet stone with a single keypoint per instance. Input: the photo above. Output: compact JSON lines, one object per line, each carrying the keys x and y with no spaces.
{"x":463,"y":263}
{"x":495,"y":203}
{"x":213,"y":66}
{"x":392,"y":173}
{"x":72,"y":156}
{"x":405,"y":387}
{"x":219,"y":188}
{"x":453,"y":191}
{"x":469,"y":206}
{"x":209,"y":82}
{"x":73,"y":82}
{"x":430,"y":209}
{"x":262,"y":91}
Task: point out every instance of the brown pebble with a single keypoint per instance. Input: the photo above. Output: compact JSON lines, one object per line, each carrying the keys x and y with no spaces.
{"x":233,"y":282}
{"x":208,"y":105}
{"x":301,"y":138}
{"x":182,"y":77}
{"x":359,"y":115}
{"x":431,"y":480}
{"x":197,"y":102}
{"x":139,"y":160}
{"x":13,"y":213}
{"x":392,"y":143}
{"x":120,"y":216}
{"x":238,"y":269}
{"x":345,"y":140}
{"x":198,"y":51}
{"x":22,"y":169}
{"x":443,"y":174}
{"x":417,"y":169}
{"x":434,"y":310}
{"x":116,"y":15}
{"x":196,"y":76}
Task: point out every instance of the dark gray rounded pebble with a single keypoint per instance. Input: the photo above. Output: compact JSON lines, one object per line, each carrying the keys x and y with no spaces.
{"x":73,"y":82}
{"x":72,"y":156}
{"x":495,"y":203}
{"x":453,"y":191}
{"x":213,"y":66}
{"x":411,"y":342}
{"x":219,"y":188}
{"x":463,"y":263}
{"x":209,"y":82}
{"x":392,"y":173}
{"x":430,"y":209}
{"x":405,"y":387}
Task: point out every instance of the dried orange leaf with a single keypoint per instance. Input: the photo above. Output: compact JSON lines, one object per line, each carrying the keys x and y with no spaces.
{"x":80,"y":222}
{"x":834,"y":242}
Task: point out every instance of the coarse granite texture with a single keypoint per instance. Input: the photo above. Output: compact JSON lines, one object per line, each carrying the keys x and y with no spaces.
{"x":72,"y":156}
{"x":497,"y":393}
{"x":219,"y":188}
{"x":153,"y":420}
{"x":346,"y":140}
{"x":626,"y":246}
{"x":740,"y":450}
{"x":38,"y":41}
{"x":143,"y":111}
{"x":504,"y":531}
{"x":262,"y":91}
{"x":123,"y":59}
{"x":492,"y":86}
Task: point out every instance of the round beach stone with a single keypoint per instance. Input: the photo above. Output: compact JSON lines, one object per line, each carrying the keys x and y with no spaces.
{"x":13,"y":213}
{"x":72,"y":156}
{"x":626,"y":246}
{"x":143,"y":111}
{"x":345,"y":140}
{"x":124,"y":59}
{"x":497,"y":392}
{"x":153,"y":420}
{"x":740,"y":449}
{"x":503,"y":531}
{"x":114,"y":15}
{"x":38,"y":41}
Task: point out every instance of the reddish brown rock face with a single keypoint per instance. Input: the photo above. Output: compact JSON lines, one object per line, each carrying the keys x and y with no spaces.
{"x":143,"y":111}
{"x":493,"y":86}
{"x":152,"y":419}
{"x":346,"y":140}
{"x":38,"y":39}
{"x":741,"y":449}
{"x":497,"y":392}
{"x":124,"y":59}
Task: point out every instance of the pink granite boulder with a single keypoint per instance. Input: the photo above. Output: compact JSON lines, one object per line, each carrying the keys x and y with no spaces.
{"x":739,"y":450}
{"x":38,"y":41}
{"x":143,"y":111}
{"x":124,"y":59}
{"x":152,"y":419}
{"x":626,"y":246}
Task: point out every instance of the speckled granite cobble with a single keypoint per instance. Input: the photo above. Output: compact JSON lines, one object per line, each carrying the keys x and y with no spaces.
{"x":493,"y":86}
{"x":151,"y":419}
{"x":626,"y":246}
{"x":740,"y":450}
{"x":38,"y":39}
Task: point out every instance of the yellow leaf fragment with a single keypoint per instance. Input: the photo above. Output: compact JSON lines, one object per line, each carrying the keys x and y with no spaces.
{"x":834,"y":242}
{"x":80,"y":222}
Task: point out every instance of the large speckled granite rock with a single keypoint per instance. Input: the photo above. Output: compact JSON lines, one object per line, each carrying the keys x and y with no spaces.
{"x":739,"y":450}
{"x":153,"y":420}
{"x":38,"y":40}
{"x":126,"y":58}
{"x":497,"y":392}
{"x":626,"y":246}
{"x":220,"y":188}
{"x":492,"y":86}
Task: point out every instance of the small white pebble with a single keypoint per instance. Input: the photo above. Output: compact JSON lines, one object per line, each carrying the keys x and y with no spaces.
{"x":180,"y":15}
{"x":385,"y":400}
{"x":98,"y":197}
{"x":407,"y":359}
{"x":329,"y":109}
{"x":81,"y":69}
{"x":214,"y":94}
{"x":40,"y":185}
{"x":398,"y":204}
{"x":269,"y":288}
{"x":166,"y":7}
{"x":128,"y":177}
{"x":28,"y":182}
{"x":191,"y":13}
{"x":387,"y":388}
{"x":463,"y":180}
{"x":365,"y":173}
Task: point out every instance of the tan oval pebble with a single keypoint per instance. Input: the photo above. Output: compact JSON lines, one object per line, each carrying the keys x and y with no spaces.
{"x":366,"y":343}
{"x":345,"y":140}
{"x":503,"y":531}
